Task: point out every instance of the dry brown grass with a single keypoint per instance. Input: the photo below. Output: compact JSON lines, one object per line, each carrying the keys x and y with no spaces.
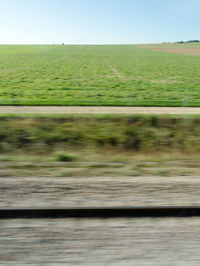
{"x":188,"y":49}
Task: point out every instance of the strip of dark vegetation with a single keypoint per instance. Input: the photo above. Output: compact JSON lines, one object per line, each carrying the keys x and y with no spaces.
{"x":145,"y":134}
{"x":190,"y":41}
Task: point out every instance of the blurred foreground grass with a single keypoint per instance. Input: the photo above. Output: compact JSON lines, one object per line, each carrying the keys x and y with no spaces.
{"x":58,"y":136}
{"x":102,"y":145}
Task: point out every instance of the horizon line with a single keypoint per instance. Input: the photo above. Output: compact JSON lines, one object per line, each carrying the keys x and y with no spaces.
{"x":82,"y":43}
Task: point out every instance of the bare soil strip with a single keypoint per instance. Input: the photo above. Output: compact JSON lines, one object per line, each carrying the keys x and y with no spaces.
{"x":188,"y":51}
{"x":171,"y":48}
{"x":99,"y":110}
{"x":42,"y":192}
{"x":124,"y":242}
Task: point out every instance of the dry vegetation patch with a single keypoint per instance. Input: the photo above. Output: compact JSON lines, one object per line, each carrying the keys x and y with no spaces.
{"x":188,"y":49}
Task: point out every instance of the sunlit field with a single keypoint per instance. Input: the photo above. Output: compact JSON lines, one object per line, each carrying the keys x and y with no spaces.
{"x":121,"y":75}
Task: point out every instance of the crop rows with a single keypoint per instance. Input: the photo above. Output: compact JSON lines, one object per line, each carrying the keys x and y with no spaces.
{"x":97,"y":75}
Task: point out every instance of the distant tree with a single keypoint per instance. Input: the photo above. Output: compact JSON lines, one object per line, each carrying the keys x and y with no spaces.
{"x":191,"y":41}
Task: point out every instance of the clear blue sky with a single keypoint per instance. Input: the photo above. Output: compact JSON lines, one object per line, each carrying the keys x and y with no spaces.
{"x":98,"y":21}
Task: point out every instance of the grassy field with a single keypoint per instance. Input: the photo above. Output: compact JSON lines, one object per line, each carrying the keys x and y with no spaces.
{"x":97,"y":75}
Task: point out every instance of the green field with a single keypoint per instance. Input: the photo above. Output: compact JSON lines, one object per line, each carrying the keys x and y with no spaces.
{"x":125,"y":75}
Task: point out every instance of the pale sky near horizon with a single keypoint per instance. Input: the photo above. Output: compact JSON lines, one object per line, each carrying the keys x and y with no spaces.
{"x":98,"y":21}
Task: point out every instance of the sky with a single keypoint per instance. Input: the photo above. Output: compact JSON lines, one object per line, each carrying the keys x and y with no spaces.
{"x":98,"y":21}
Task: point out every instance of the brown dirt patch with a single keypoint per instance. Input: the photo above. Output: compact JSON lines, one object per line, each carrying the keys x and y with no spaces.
{"x":188,"y":51}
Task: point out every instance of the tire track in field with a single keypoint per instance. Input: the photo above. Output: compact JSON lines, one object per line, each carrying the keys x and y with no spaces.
{"x":64,"y":58}
{"x":115,"y":71}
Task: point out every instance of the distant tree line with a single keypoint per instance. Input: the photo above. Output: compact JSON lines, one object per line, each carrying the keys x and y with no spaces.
{"x":190,"y":41}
